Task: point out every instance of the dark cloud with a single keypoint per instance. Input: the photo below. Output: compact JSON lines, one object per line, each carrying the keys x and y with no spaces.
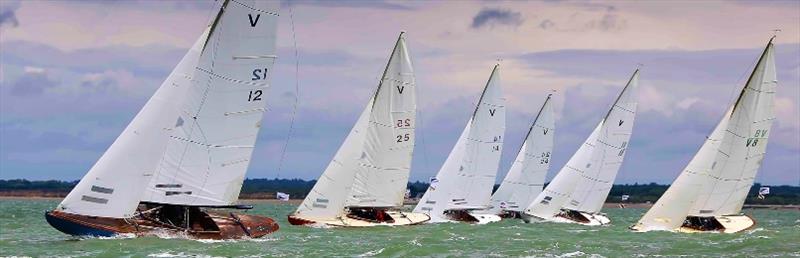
{"x":546,"y":24}
{"x":495,"y":16}
{"x":8,"y":9}
{"x":31,"y":84}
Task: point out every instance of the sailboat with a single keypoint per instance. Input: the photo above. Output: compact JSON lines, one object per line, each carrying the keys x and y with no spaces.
{"x":708,"y":195}
{"x":525,"y":179}
{"x":577,"y":193}
{"x":185,"y":154}
{"x":463,"y":186}
{"x":365,"y":183}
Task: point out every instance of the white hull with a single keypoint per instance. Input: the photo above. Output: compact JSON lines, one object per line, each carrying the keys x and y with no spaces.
{"x":400,"y":219}
{"x":486,"y":218}
{"x":727,"y":224}
{"x":591,"y":219}
{"x":467,"y":217}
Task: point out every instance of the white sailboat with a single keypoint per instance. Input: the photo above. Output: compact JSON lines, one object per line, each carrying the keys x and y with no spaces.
{"x":366,"y":181}
{"x":708,"y":195}
{"x":189,"y":147}
{"x":525,"y":179}
{"x":578,"y":191}
{"x":464,"y":184}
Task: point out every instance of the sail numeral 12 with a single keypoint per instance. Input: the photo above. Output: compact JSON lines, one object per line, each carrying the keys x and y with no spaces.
{"x":254,"y":95}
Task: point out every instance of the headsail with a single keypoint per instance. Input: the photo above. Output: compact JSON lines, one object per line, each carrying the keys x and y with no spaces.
{"x":525,"y":179}
{"x":210,"y":147}
{"x":466,"y":178}
{"x":591,"y":170}
{"x":372,"y":166}
{"x":718,"y":178}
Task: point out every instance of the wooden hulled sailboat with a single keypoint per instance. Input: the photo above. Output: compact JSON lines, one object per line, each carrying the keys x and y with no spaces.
{"x":708,"y":195}
{"x":578,"y":191}
{"x":365,"y":183}
{"x":463,"y":186}
{"x":525,"y":179}
{"x":187,"y":151}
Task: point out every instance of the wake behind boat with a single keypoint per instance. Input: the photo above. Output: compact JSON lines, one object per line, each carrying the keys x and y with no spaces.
{"x":364,"y":185}
{"x":461,"y":190}
{"x":578,"y":191}
{"x":186,"y":152}
{"x":708,"y":195}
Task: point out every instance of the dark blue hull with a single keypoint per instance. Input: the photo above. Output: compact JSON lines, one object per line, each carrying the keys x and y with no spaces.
{"x":75,"y":229}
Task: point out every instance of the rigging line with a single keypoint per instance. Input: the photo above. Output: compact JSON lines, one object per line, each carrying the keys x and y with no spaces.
{"x":422,"y":139}
{"x":296,"y":92}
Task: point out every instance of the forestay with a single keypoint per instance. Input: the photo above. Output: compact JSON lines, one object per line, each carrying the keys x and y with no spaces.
{"x":609,"y":151}
{"x":467,"y":177}
{"x":718,"y":178}
{"x":210,"y":145}
{"x":525,"y":179}
{"x":371,"y":167}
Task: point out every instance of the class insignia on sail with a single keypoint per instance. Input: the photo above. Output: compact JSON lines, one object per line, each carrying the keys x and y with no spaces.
{"x":365,"y":183}
{"x":464,"y":183}
{"x":708,"y":195}
{"x":577,"y":193}
{"x":525,"y":178}
{"x":185,"y":154}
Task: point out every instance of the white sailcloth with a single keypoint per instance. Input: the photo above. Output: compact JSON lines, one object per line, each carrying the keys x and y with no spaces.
{"x":718,"y":178}
{"x":210,"y":148}
{"x":467,"y":177}
{"x":525,"y":179}
{"x":372,"y":166}
{"x":591,"y":170}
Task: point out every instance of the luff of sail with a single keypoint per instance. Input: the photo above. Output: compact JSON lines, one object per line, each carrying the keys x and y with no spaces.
{"x":525,"y":178}
{"x":717,"y":179}
{"x":372,"y":165}
{"x":466,"y":178}
{"x":600,"y":154}
{"x":211,"y":144}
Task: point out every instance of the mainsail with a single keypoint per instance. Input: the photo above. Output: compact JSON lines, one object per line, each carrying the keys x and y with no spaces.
{"x":372,"y":166}
{"x":191,"y":141}
{"x":584,"y":182}
{"x":716,"y":181}
{"x":466,"y":178}
{"x":525,"y":179}
{"x":212,"y":139}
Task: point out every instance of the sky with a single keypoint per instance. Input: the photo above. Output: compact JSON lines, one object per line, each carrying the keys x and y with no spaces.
{"x":74,"y":73}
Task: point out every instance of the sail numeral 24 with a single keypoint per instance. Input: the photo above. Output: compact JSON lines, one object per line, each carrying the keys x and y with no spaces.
{"x":545,"y":158}
{"x":255,"y":95}
{"x":403,"y":138}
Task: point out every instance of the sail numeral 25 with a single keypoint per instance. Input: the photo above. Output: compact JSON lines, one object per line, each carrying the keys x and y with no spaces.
{"x":259,"y":74}
{"x":404,"y":123}
{"x":255,"y":95}
{"x":403,"y":138}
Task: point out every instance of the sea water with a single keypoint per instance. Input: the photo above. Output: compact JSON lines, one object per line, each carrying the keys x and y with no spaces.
{"x":24,"y":232}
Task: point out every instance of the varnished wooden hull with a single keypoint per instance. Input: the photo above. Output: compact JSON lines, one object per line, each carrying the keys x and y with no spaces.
{"x":230,"y":226}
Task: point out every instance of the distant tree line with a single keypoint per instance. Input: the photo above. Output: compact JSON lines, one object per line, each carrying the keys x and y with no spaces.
{"x":298,"y":188}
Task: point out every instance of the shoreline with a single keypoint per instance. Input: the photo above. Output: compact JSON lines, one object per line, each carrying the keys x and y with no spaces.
{"x":608,"y":205}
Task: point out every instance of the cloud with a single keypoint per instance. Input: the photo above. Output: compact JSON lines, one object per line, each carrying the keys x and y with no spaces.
{"x":8,"y":9}
{"x":546,"y":24}
{"x":496,"y":16}
{"x":32,"y":83}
